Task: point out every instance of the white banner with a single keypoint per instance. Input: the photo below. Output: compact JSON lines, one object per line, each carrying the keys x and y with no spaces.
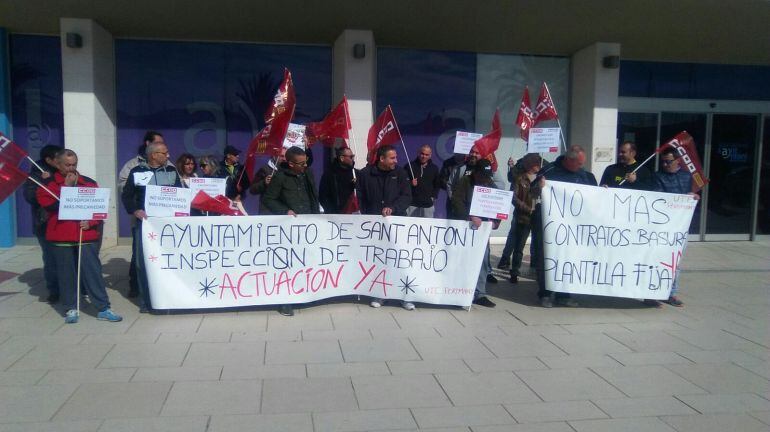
{"x":464,"y":141}
{"x":212,"y":186}
{"x":165,"y":201}
{"x":84,"y":203}
{"x":543,"y":140}
{"x":295,"y":136}
{"x":216,"y":262}
{"x":613,"y":242}
{"x":491,"y":203}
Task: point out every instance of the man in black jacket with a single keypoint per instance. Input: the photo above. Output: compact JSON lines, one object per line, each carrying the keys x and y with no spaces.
{"x":623,"y":171}
{"x":232,"y":170}
{"x":424,"y":177}
{"x":154,"y":171}
{"x":383,"y":189}
{"x":40,"y":217}
{"x":338,"y":182}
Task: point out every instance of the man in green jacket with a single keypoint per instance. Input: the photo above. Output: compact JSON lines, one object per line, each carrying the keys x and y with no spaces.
{"x":291,"y":192}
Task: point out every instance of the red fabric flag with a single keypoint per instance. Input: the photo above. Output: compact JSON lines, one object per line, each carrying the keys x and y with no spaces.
{"x":218,"y":204}
{"x":525,"y":118}
{"x":336,"y":124}
{"x":383,"y":132}
{"x":10,"y":178}
{"x":10,"y":151}
{"x":489,"y":143}
{"x":352,"y":206}
{"x":545,"y":109}
{"x":688,"y":155}
{"x":270,"y":139}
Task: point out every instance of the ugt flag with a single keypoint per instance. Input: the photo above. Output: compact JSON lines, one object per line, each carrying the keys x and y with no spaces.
{"x":545,"y":109}
{"x":336,"y":124}
{"x":525,"y":118}
{"x":384,"y":131}
{"x":688,"y":155}
{"x":10,"y":151}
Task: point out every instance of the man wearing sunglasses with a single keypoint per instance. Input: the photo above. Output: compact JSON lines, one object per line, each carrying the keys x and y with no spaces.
{"x":338,"y":182}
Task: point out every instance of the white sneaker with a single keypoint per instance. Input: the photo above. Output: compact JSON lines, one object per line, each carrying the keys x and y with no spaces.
{"x":376,"y":303}
{"x":408,"y":305}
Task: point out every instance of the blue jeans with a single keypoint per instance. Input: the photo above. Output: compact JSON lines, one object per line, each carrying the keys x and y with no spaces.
{"x":66,"y":258}
{"x":481,"y":283}
{"x":49,"y":264}
{"x":141,"y":275}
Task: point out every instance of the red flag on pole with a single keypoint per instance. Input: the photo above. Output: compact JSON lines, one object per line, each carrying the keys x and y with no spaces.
{"x":525,"y":118}
{"x":10,"y":151}
{"x":336,"y":124}
{"x":10,"y":178}
{"x":218,"y":204}
{"x":352,"y":206}
{"x":383,"y":132}
{"x":489,"y":143}
{"x":270,"y":139}
{"x":545,"y":109}
{"x":688,"y":154}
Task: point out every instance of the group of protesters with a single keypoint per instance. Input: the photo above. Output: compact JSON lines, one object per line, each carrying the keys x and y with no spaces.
{"x":286,"y":187}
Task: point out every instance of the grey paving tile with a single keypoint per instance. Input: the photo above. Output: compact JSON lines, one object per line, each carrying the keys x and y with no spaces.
{"x":62,"y":357}
{"x":236,"y":372}
{"x":651,"y":341}
{"x":534,"y":329}
{"x":155,"y":324}
{"x":578,"y":361}
{"x":114,"y":400}
{"x":300,"y":422}
{"x":225,"y":354}
{"x":720,"y":356}
{"x":279,"y":352}
{"x":504,"y":364}
{"x":762,"y":369}
{"x":554,"y":411}
{"x":763,"y":416}
{"x":185,"y":373}
{"x":109,"y":339}
{"x":424,"y":317}
{"x":427,"y":366}
{"x":59,"y":426}
{"x":31,"y":326}
{"x":316,"y":370}
{"x":194,"y":337}
{"x":726,"y":403}
{"x":595,"y":328}
{"x":402,"y":391}
{"x":364,"y":321}
{"x":464,"y":332}
{"x":418,"y":332}
{"x":228,"y":323}
{"x":568,"y":384}
{"x":715,"y":423}
{"x":77,"y":376}
{"x":156,"y":424}
{"x":712,"y":339}
{"x":642,"y":424}
{"x":191,"y":398}
{"x":641,"y":381}
{"x":649,"y":358}
{"x":643,"y":407}
{"x":20,"y":378}
{"x":32,"y":403}
{"x":450,"y":348}
{"x":462,"y":416}
{"x":485,"y":388}
{"x":285,"y":395}
{"x":533,"y":427}
{"x":371,"y":350}
{"x":721,"y":378}
{"x":299,"y":322}
{"x":521,"y":345}
{"x":277,"y":334}
{"x":363,"y":420}
{"x":145,"y":355}
{"x":345,"y":334}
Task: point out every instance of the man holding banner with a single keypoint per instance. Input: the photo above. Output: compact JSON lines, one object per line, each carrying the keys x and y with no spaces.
{"x":67,"y":235}
{"x":338,"y":182}
{"x":154,"y":171}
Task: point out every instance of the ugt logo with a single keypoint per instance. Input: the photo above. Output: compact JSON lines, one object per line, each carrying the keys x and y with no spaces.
{"x":385,"y":129}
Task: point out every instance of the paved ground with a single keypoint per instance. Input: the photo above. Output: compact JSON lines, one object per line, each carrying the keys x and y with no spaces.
{"x":611,"y":365}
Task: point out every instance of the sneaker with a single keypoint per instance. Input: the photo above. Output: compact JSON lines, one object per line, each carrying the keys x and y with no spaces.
{"x":652,"y":303}
{"x":674,"y":301}
{"x":514,"y":279}
{"x":408,"y":305}
{"x":504,"y":265}
{"x":71,"y":317}
{"x":53,"y":298}
{"x":491,"y":278}
{"x":567,"y":301}
{"x":484,"y":301}
{"x":546,"y":302}
{"x":286,"y":310}
{"x":376,"y":303}
{"x":109,"y":315}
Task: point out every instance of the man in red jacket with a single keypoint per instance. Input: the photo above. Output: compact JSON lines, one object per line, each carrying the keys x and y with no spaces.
{"x":65,"y":235}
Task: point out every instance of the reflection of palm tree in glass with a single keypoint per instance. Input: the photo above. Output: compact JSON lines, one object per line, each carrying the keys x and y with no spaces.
{"x":524,"y":72}
{"x":26,"y":88}
{"x":255,"y":96}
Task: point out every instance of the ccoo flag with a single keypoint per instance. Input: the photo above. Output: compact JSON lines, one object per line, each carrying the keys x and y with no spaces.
{"x":336,"y":124}
{"x":545,"y":109}
{"x":384,"y":131}
{"x":525,"y":118}
{"x":688,"y":155}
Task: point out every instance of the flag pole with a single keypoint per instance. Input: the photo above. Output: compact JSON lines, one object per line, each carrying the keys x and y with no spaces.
{"x":77,"y":282}
{"x":41,"y":185}
{"x":352,"y":138}
{"x":35,"y":164}
{"x":640,"y":165}
{"x":564,"y":142}
{"x":408,"y":161}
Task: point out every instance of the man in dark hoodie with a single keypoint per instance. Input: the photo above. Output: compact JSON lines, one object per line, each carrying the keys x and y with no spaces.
{"x":40,"y":217}
{"x":154,"y":171}
{"x":424,"y":177}
{"x":383,"y":189}
{"x":566,"y":168}
{"x":338,"y":182}
{"x":291,"y":192}
{"x":232,"y":170}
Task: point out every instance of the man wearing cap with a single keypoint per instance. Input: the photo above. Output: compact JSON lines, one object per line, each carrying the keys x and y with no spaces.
{"x":480,"y":175}
{"x":232,"y":170}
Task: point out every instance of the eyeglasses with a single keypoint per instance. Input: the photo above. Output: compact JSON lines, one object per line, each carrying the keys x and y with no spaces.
{"x":203,"y":165}
{"x":350,"y":156}
{"x":302,"y":164}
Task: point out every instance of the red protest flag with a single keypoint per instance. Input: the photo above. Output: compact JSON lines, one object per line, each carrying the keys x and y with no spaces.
{"x":352,"y":206}
{"x":525,"y":119}
{"x":688,"y":154}
{"x":277,"y":118}
{"x":489,"y":143}
{"x":336,"y":124}
{"x":384,"y":131}
{"x":11,"y":178}
{"x":545,"y":109}
{"x":219,"y":204}
{"x":10,"y":151}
